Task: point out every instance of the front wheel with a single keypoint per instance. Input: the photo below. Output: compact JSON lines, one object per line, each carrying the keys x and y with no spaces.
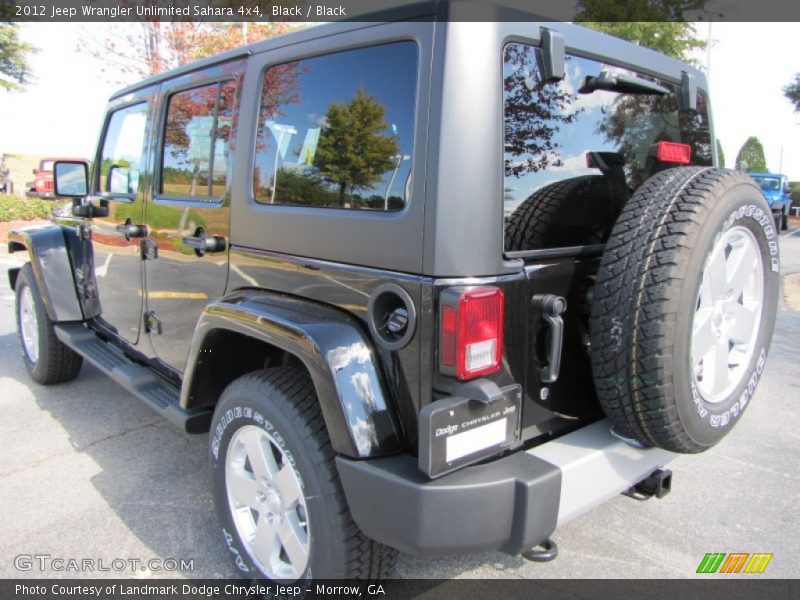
{"x":275,"y":486}
{"x":785,"y":221}
{"x":47,"y":360}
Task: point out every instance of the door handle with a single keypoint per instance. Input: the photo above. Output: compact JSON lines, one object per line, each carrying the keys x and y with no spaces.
{"x":552,"y":307}
{"x":129,"y":230}
{"x":203,"y":243}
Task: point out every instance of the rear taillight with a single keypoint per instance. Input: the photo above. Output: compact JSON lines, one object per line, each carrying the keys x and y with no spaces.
{"x":471,"y":331}
{"x":672,"y":152}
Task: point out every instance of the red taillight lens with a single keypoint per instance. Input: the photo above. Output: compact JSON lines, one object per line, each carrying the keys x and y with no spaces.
{"x":471,"y":331}
{"x":672,"y":152}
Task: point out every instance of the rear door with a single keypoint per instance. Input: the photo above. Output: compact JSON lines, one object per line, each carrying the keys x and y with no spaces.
{"x":188,"y":217}
{"x":574,"y":154}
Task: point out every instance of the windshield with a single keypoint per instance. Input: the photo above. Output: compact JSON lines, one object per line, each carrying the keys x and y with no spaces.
{"x":768,"y":183}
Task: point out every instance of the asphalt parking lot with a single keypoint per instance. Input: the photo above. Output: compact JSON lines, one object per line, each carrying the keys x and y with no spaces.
{"x":87,"y":471}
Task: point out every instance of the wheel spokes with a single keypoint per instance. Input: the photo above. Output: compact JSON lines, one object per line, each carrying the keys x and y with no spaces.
{"x":294,"y":541}
{"x":703,"y":337}
{"x":266,"y":542}
{"x":260,"y":455}
{"x":743,"y":321}
{"x":243,"y":487}
{"x":741,"y":263}
{"x":716,"y":272}
{"x":719,"y":378}
{"x":286,"y":484}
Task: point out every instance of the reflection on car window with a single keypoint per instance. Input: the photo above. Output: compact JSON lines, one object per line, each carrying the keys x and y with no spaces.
{"x":574,"y":153}
{"x":337,"y":130}
{"x":194,"y":163}
{"x":121,"y":158}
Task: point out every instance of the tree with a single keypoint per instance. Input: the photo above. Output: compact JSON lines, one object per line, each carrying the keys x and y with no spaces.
{"x":14,"y":56}
{"x":751,"y":157}
{"x":655,"y":24}
{"x":133,"y":51}
{"x":720,"y":154}
{"x":792,"y":92}
{"x":353,"y":152}
{"x":535,"y":111}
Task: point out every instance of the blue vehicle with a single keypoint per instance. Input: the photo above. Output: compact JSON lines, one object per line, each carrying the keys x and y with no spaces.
{"x":778,"y":193}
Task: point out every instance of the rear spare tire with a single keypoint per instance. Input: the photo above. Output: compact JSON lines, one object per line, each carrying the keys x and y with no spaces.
{"x":684,"y":308}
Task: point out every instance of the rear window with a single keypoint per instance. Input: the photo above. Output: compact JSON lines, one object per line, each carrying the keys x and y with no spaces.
{"x":575,"y":151}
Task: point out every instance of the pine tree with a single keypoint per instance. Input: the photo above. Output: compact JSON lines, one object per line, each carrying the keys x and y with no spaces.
{"x":751,"y":157}
{"x":353,"y":152}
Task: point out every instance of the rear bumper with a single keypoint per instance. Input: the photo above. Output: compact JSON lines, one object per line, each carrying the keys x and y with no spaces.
{"x":510,"y":504}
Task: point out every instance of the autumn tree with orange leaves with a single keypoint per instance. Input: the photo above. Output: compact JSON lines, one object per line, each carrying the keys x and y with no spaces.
{"x":133,"y":51}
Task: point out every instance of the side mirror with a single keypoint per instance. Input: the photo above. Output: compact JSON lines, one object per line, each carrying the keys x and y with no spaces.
{"x":121,"y":180}
{"x":70,"y":178}
{"x":35,"y":171}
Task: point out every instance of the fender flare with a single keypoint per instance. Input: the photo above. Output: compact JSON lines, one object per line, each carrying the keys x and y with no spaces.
{"x":49,"y":257}
{"x":336,"y":353}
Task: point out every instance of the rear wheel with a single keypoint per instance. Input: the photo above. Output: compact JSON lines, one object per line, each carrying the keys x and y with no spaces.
{"x":684,"y":308}
{"x":48,"y":360}
{"x":276,"y":489}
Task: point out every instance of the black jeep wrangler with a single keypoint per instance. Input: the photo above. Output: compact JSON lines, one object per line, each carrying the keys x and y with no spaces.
{"x":429,"y":285}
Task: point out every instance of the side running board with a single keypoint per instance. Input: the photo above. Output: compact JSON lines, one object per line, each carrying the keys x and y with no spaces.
{"x":154,"y":391}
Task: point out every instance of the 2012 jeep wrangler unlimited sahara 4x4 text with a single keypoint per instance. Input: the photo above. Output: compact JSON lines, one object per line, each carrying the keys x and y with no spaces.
{"x":430,"y":286}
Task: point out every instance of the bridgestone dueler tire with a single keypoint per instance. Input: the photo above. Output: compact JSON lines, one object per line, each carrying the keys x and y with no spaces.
{"x":572,"y":212}
{"x":645,"y":300}
{"x":56,"y":363}
{"x":282,"y":401}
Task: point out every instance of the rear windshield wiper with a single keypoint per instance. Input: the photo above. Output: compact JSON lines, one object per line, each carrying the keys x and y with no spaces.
{"x":623,"y":84}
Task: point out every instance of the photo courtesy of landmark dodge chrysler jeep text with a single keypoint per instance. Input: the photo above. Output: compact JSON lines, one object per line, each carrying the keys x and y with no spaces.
{"x":402,"y":272}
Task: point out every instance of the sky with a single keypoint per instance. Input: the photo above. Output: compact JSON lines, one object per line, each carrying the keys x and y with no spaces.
{"x":61,"y":113}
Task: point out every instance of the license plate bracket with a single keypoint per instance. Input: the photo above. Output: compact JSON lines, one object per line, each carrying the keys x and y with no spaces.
{"x":457,"y":431}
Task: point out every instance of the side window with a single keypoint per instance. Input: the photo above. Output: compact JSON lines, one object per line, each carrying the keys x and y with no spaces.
{"x":575,"y":150}
{"x":123,"y":150}
{"x":194,"y":161}
{"x":337,"y":130}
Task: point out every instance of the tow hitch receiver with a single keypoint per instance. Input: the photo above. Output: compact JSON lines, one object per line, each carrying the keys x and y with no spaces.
{"x":658,"y":484}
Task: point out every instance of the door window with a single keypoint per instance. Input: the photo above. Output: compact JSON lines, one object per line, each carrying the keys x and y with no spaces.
{"x":194,"y":162}
{"x":123,"y":150}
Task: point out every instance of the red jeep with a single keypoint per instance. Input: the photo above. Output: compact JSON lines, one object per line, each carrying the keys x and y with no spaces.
{"x":42,"y":186}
